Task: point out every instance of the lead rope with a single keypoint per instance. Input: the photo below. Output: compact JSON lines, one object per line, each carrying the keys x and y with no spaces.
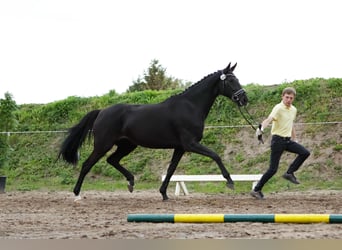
{"x":223,"y":77}
{"x":249,"y":121}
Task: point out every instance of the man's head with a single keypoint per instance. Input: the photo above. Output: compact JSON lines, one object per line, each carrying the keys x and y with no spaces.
{"x":288,"y":96}
{"x":289,"y":90}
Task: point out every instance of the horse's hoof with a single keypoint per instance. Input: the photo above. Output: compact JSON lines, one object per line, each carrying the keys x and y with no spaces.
{"x":230,"y":185}
{"x":165,"y":197}
{"x":130,"y":188}
{"x":77,"y":198}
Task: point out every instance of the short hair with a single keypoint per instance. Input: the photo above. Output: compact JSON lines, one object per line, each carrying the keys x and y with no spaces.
{"x":289,"y":90}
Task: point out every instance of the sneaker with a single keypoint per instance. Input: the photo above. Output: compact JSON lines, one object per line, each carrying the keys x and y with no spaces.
{"x":257,"y":194}
{"x":291,"y":178}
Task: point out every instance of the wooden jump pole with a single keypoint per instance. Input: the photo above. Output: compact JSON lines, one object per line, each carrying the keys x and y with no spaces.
{"x":221,"y":218}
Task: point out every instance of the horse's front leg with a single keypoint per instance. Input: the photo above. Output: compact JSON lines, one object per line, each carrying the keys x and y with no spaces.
{"x":177,"y":155}
{"x":200,"y":149}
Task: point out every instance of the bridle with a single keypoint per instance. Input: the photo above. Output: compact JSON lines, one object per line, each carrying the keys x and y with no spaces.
{"x":237,"y":94}
{"x":236,"y":98}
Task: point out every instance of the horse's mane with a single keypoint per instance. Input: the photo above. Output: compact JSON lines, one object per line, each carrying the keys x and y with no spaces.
{"x":200,"y":82}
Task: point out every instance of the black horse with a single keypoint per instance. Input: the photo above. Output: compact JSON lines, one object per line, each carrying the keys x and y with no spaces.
{"x":176,"y":123}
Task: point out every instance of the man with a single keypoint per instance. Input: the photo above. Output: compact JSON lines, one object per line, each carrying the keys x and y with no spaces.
{"x":283,"y":139}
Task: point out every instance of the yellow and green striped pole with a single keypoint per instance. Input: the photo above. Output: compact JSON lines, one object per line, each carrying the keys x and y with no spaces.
{"x":220,"y":218}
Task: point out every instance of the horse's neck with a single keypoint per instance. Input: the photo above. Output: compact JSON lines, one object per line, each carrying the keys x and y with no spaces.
{"x":203,"y":97}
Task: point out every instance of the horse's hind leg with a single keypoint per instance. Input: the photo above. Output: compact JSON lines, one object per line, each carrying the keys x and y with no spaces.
{"x":86,"y":166}
{"x":124,"y":148}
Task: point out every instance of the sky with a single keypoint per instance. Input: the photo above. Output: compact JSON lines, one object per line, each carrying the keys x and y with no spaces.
{"x":53,"y":49}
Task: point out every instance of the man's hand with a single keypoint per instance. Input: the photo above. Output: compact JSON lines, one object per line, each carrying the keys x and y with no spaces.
{"x":259,"y":132}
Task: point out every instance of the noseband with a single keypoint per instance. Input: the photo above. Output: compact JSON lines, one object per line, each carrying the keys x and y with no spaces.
{"x":236,"y":96}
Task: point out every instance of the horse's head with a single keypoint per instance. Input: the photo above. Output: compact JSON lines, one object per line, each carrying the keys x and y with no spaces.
{"x":230,"y":86}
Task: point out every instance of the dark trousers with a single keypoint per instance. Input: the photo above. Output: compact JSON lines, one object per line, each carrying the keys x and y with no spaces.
{"x":278,"y":146}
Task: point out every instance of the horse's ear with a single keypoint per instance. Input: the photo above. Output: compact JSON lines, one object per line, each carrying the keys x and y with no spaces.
{"x":234,"y":66}
{"x":227,"y":69}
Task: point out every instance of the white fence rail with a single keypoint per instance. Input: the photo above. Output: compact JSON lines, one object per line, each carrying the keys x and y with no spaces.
{"x":206,"y":127}
{"x":181,"y":179}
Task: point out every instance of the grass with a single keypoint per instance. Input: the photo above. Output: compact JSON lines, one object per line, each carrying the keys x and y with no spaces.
{"x":275,"y":184}
{"x":54,"y":184}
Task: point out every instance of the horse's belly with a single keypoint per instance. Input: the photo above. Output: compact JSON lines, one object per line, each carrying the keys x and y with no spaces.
{"x":157,"y":143}
{"x":154,"y":140}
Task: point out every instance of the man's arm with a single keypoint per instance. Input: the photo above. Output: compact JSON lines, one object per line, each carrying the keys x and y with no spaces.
{"x":260,"y":129}
{"x":266,"y":122}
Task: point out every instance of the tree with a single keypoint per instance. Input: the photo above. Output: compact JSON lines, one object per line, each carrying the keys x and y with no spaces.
{"x":8,"y":121}
{"x":156,"y":79}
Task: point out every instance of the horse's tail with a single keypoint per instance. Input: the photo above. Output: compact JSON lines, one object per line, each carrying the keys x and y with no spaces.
{"x":76,"y":137}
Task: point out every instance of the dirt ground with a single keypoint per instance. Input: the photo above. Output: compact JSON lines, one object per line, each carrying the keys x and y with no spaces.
{"x":103,"y":215}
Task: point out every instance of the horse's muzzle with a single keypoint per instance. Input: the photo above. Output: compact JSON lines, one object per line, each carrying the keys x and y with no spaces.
{"x":240,"y":97}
